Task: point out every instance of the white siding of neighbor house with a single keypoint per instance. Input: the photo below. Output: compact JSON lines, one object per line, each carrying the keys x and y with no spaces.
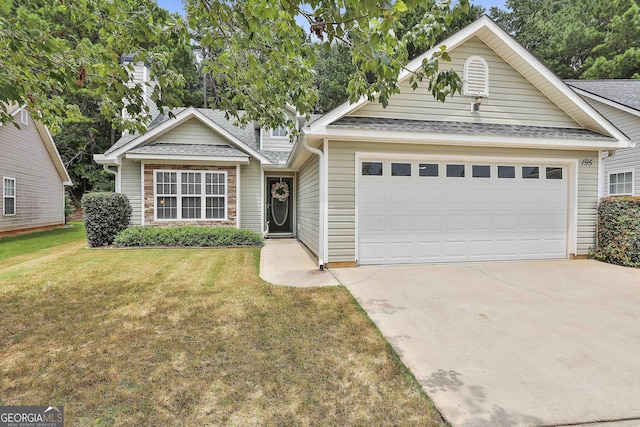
{"x":342,"y":191}
{"x":250,"y":200}
{"x":39,"y":187}
{"x":308,"y":204}
{"x":130,"y":185}
{"x":277,"y":144}
{"x":193,"y":131}
{"x":627,"y":159}
{"x":512,"y":99}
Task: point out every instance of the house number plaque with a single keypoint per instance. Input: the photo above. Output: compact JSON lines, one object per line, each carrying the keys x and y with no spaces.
{"x":586,"y":162}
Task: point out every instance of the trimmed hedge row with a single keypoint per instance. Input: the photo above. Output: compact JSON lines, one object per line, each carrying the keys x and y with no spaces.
{"x":187,"y":236}
{"x":619,"y":231}
{"x":105,"y":216}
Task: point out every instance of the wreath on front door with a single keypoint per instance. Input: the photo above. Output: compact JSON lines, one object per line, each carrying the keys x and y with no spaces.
{"x":280,"y":191}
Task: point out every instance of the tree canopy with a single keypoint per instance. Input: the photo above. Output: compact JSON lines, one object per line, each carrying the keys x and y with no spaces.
{"x":590,"y":39}
{"x":263,"y":57}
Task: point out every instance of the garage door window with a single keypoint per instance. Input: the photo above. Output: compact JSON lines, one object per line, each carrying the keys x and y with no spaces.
{"x":554,"y":173}
{"x":530,"y":172}
{"x":428,"y":169}
{"x":372,"y":168}
{"x":455,"y":171}
{"x":481,"y":171}
{"x":400,"y":169}
{"x":506,"y":171}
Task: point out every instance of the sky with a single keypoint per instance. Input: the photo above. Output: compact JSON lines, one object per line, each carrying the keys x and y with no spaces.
{"x":176,"y":5}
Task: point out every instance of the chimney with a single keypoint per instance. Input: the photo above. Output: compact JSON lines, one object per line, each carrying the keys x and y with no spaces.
{"x":140,"y":76}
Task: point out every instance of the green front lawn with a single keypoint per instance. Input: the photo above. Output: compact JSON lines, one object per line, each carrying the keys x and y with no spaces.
{"x":191,"y":337}
{"x":12,"y":246}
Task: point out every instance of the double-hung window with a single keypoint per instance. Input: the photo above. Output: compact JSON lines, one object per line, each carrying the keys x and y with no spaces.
{"x":191,"y":195}
{"x":9,"y":196}
{"x":621,"y":184}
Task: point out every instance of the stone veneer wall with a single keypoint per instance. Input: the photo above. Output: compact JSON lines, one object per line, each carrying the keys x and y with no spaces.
{"x":149,"y":202}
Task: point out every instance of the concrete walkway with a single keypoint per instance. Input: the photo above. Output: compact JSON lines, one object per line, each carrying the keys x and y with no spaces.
{"x":288,"y":262}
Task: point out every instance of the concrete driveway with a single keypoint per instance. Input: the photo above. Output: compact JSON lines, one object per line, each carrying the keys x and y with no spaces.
{"x":514,"y":343}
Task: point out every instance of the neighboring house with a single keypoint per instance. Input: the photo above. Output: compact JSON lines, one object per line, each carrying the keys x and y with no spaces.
{"x":33,"y":176}
{"x":619,"y":102}
{"x":508,"y":170}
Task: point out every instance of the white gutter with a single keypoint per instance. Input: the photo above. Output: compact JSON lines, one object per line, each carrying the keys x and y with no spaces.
{"x":322,"y":201}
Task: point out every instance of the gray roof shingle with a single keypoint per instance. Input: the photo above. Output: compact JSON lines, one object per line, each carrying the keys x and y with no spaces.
{"x":200,"y":150}
{"x":625,"y":92}
{"x":275,"y":156}
{"x":461,"y":128}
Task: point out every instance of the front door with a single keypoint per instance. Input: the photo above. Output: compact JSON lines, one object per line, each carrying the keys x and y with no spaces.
{"x":279,"y":205}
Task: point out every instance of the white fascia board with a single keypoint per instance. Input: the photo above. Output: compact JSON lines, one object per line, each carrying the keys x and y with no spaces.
{"x":470,"y":140}
{"x":170,"y":157}
{"x":180,"y":118}
{"x":606,"y":101}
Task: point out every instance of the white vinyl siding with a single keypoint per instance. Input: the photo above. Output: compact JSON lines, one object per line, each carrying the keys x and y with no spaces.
{"x":131,"y":186}
{"x":193,"y":131}
{"x":626,"y":159}
{"x":276,"y":142}
{"x":308,"y":204}
{"x":513,"y":99}
{"x":250,"y":196}
{"x":342,"y":209}
{"x":40,"y":191}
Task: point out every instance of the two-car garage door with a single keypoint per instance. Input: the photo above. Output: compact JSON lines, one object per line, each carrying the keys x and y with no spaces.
{"x":412,"y":211}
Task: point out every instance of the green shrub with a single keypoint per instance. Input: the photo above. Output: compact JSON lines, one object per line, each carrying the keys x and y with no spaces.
{"x":619,"y":231}
{"x":105,"y":216}
{"x":187,"y":236}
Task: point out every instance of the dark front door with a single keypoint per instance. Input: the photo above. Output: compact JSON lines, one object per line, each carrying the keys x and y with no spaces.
{"x":280,"y":205}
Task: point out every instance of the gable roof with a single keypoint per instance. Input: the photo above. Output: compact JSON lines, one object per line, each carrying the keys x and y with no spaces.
{"x":50,"y":145}
{"x":518,"y":58}
{"x":623,"y":92}
{"x":242,"y":138}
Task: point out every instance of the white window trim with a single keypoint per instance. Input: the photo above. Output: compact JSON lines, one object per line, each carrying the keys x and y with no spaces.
{"x":620,"y":172}
{"x":286,"y":135}
{"x":5,"y":197}
{"x":179,"y":196}
{"x":465,"y":87}
{"x":24,"y":117}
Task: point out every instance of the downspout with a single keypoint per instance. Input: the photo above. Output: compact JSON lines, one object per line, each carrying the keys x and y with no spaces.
{"x":116,"y":174}
{"x":321,"y":197}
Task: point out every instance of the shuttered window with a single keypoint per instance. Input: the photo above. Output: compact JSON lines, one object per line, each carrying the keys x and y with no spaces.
{"x":476,"y":77}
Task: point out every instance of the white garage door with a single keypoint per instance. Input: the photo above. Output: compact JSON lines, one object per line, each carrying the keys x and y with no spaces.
{"x":435,"y":211}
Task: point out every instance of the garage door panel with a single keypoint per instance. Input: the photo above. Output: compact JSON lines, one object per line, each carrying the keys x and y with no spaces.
{"x":428,"y":223}
{"x":429,"y":219}
{"x":401,"y":223}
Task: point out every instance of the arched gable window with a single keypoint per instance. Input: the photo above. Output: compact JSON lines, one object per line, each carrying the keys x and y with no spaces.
{"x":476,"y":76}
